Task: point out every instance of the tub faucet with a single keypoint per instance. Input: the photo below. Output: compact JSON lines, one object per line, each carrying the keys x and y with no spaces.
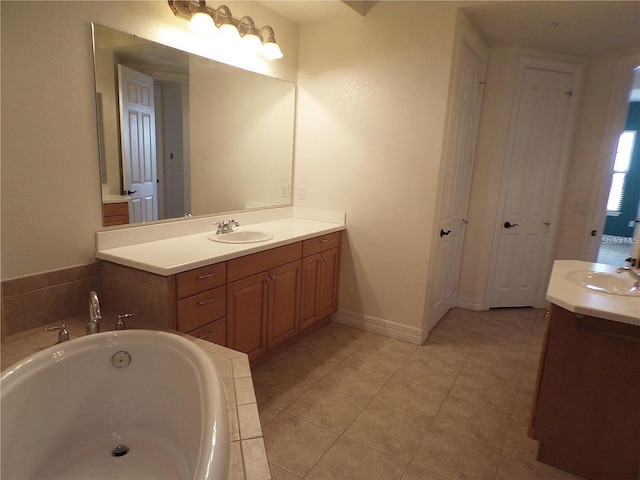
{"x":635,"y":273}
{"x":93,"y":323}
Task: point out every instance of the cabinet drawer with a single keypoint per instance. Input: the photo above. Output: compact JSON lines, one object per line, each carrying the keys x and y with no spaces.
{"x":200,"y":279}
{"x":115,"y":209}
{"x":198,"y":310}
{"x":214,"y":332}
{"x":321,"y":243}
{"x":260,"y":262}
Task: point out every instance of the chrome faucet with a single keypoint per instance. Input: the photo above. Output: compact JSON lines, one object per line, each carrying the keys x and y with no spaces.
{"x":635,"y":273}
{"x":226,"y":226}
{"x":93,"y":323}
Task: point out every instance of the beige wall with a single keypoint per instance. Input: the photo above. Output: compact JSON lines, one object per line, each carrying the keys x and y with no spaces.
{"x":372,"y":103}
{"x":50,"y":178}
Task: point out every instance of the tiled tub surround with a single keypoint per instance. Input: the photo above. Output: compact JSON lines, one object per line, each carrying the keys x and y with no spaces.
{"x":248,"y":456}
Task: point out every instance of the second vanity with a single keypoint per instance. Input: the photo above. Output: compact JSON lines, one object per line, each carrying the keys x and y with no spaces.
{"x":586,"y":412}
{"x":250,"y":297}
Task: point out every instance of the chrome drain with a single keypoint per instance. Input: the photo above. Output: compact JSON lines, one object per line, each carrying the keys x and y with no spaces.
{"x":120,"y":451}
{"x":121,"y":359}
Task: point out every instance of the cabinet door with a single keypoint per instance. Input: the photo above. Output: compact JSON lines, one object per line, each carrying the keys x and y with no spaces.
{"x":284,"y":303}
{"x":328,"y":283}
{"x":319,"y":286}
{"x":247,"y":315}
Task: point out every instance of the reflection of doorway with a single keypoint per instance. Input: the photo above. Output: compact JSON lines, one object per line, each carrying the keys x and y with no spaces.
{"x":623,"y":202}
{"x":138,"y":140}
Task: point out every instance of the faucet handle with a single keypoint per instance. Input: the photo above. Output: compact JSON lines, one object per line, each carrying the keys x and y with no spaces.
{"x":63,"y":334}
{"x":120,"y":322}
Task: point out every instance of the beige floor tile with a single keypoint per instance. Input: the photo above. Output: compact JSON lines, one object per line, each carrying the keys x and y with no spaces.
{"x":474,"y":421}
{"x":278,"y":389}
{"x":524,"y":402}
{"x":335,"y":340}
{"x":456,"y":457}
{"x":485,"y":392}
{"x":267,"y":413}
{"x":441,"y":353}
{"x":348,"y":460}
{"x":417,"y":473}
{"x":294,"y":444}
{"x":432,"y":374}
{"x":518,"y":439}
{"x":410,"y":399}
{"x":327,"y":408}
{"x":358,"y":381}
{"x":507,"y":370}
{"x":515,"y":465}
{"x":388,"y":431}
{"x":305,"y":363}
{"x":279,"y":473}
{"x":378,"y":360}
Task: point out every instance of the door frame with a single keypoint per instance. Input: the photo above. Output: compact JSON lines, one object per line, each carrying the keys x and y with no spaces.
{"x":577,"y":70}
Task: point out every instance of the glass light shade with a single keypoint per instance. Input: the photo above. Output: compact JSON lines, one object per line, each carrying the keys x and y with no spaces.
{"x":252,"y":43}
{"x":271,"y":50}
{"x":202,"y":23}
{"x":228,"y":34}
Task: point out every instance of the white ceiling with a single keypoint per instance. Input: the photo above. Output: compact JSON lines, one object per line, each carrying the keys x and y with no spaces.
{"x":563,"y":26}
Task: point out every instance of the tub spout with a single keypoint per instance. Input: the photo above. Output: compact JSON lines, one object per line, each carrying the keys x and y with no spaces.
{"x":93,"y":323}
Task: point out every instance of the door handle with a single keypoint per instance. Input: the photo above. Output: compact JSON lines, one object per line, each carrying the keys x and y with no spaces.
{"x":130,"y":192}
{"x":443,"y":233}
{"x":510,"y":225}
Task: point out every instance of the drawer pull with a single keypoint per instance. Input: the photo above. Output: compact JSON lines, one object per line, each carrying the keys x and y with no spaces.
{"x":206,"y":275}
{"x":324,"y":240}
{"x":206,"y":335}
{"x":204,"y":302}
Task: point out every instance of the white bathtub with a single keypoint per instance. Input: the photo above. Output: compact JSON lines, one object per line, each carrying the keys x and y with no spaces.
{"x":67,"y":408}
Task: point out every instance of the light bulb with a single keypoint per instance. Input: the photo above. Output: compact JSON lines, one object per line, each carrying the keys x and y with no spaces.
{"x":228,"y":34}
{"x":202,"y":23}
{"x":271,"y":50}
{"x":251,"y":42}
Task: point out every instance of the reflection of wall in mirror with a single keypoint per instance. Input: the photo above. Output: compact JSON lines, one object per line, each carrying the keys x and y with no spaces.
{"x":243,"y":172}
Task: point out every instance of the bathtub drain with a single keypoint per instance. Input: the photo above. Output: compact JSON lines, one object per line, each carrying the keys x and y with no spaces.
{"x":120,"y":451}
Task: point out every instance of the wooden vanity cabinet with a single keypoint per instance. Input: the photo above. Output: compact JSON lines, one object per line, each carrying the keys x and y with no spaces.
{"x":587,"y":402}
{"x":201,"y":302}
{"x":320,"y":278}
{"x":263,"y":310}
{"x":115,"y":213}
{"x":256,"y":302}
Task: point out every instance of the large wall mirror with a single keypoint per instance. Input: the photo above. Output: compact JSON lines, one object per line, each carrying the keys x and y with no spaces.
{"x":184,"y":135}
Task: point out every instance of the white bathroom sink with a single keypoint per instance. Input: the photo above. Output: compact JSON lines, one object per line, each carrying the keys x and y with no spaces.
{"x":245,"y":236}
{"x":616,"y":284}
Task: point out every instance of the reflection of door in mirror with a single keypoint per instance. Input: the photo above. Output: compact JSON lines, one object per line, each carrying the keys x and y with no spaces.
{"x":138,"y":137}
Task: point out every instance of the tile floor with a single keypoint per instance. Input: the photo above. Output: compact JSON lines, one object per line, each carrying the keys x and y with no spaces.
{"x":348,"y":404}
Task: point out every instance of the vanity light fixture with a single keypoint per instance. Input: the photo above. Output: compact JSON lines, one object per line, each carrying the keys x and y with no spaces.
{"x":205,"y":20}
{"x":201,"y":22}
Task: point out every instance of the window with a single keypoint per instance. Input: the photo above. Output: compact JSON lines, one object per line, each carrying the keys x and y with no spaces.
{"x":620,"y":169}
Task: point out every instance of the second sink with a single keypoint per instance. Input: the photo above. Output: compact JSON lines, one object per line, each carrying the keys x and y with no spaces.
{"x":246,"y":236}
{"x":604,"y":282}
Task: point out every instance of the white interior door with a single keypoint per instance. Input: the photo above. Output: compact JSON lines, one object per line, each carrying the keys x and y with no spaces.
{"x":138,"y":140}
{"x":532,"y":184}
{"x":463,"y":122}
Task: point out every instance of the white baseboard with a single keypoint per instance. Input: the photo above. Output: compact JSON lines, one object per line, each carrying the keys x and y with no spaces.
{"x":470,"y":303}
{"x":379,"y":326}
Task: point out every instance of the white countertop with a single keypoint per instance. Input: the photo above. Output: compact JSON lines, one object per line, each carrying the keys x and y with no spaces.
{"x":577,"y":299}
{"x":113,"y":198}
{"x":178,"y":254}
